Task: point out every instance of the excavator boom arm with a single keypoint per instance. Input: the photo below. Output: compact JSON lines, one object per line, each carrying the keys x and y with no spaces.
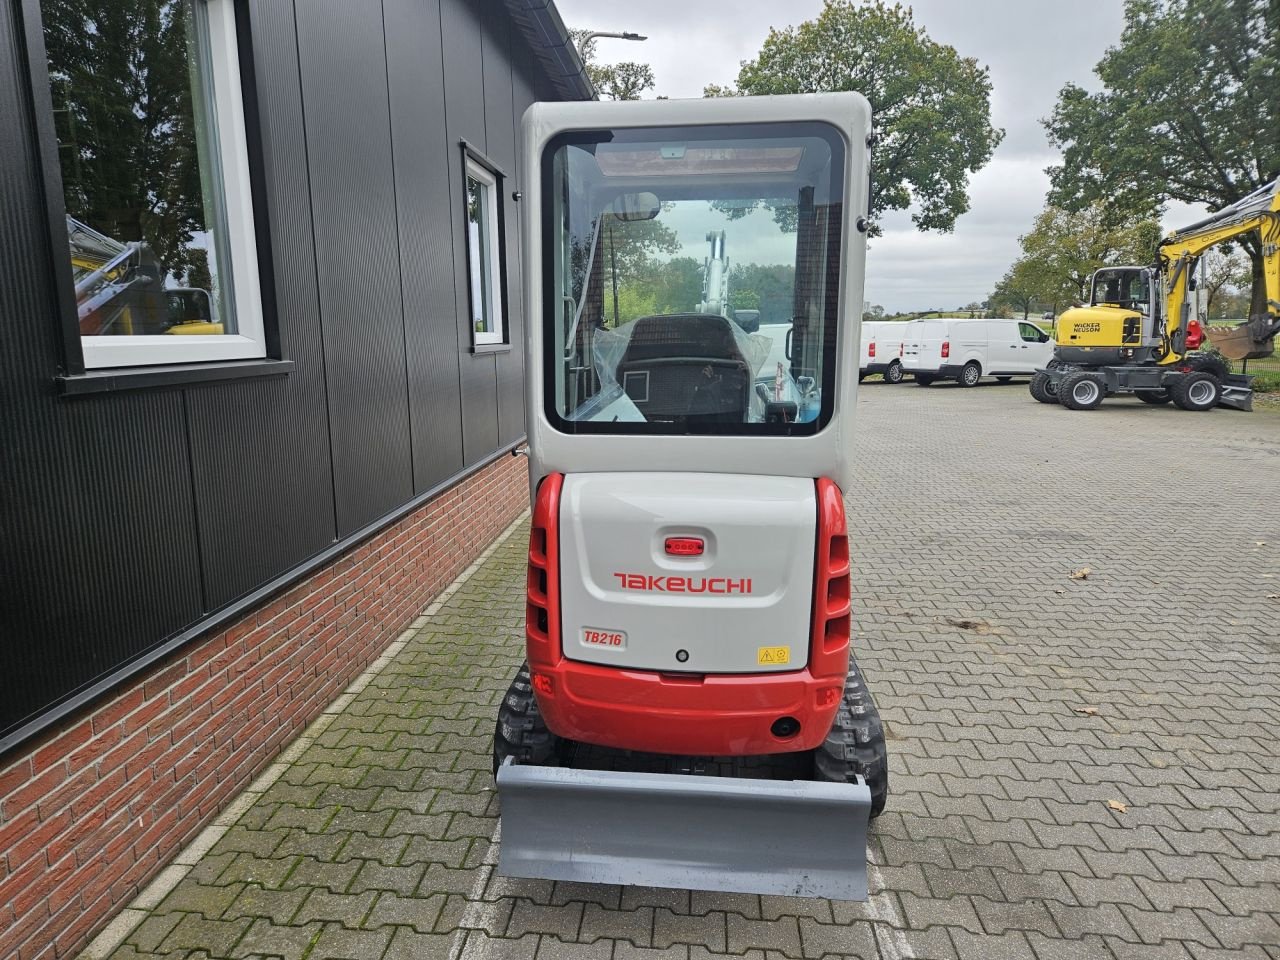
{"x":1259,"y":211}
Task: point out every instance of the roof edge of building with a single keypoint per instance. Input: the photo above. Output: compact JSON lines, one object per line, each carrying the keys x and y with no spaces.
{"x":539,"y":22}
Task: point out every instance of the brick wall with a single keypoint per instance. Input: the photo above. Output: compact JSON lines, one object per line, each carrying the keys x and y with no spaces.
{"x":93,"y":809}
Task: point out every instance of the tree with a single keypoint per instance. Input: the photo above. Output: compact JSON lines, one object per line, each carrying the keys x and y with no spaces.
{"x":718,"y":90}
{"x":1021,"y":288}
{"x":126,"y":125}
{"x":618,"y":81}
{"x":1189,"y":110}
{"x":1224,"y":271}
{"x":773,"y":285}
{"x":1064,"y":248}
{"x":930,"y":107}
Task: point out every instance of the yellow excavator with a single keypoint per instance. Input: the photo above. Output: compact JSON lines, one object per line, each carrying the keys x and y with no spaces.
{"x":120,"y":290}
{"x":1138,"y":333}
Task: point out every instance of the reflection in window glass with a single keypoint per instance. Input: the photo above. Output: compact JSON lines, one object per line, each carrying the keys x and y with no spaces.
{"x":692,"y":279}
{"x":483,"y":271}
{"x":133,"y":110}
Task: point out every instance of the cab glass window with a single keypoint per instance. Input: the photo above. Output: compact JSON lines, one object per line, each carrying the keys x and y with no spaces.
{"x":1031,"y":333}
{"x":1123,"y":286}
{"x":692,"y":277}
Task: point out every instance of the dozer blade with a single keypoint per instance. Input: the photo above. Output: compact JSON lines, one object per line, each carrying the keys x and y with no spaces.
{"x":1237,"y":392}
{"x":790,"y":837}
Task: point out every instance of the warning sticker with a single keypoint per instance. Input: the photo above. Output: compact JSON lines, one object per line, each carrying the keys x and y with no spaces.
{"x":772,"y":656}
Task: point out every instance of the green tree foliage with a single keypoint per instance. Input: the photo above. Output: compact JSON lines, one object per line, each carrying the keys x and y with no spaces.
{"x":931,"y":107}
{"x":773,"y":286}
{"x":1064,"y":248}
{"x":1226,"y":274}
{"x":1189,"y":110}
{"x":1020,"y":289}
{"x":126,"y":124}
{"x":617,"y":81}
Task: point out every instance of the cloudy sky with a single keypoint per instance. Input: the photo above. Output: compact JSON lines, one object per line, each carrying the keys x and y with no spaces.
{"x":1032,"y":48}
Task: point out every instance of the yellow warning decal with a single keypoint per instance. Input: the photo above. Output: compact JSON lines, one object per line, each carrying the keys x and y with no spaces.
{"x":771,"y":656}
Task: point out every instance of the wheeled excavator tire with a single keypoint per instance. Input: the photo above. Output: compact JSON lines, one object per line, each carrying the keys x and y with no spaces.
{"x":521,"y":732}
{"x":1042,"y":388}
{"x":1207,"y":363}
{"x":1196,"y":391}
{"x":855,"y":746}
{"x":1081,"y":391}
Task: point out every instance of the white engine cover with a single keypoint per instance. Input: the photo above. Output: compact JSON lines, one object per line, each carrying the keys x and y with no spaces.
{"x":743,"y":606}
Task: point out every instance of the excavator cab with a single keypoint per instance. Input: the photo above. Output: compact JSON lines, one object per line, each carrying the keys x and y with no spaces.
{"x":688,"y":714}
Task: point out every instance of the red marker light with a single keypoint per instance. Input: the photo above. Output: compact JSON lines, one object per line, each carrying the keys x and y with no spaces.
{"x":826,"y":696}
{"x":685,"y":546}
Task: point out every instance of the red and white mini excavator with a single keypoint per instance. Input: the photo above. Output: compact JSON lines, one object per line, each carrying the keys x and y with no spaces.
{"x":689,"y":714}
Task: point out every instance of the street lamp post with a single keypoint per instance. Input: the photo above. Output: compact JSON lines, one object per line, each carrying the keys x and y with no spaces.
{"x":588,"y":37}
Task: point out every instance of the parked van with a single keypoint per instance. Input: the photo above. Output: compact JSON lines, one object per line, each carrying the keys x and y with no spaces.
{"x":882,"y":350}
{"x":968,"y":350}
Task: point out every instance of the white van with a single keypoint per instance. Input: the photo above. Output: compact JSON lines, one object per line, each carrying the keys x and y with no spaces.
{"x":882,"y":349}
{"x":968,"y":350}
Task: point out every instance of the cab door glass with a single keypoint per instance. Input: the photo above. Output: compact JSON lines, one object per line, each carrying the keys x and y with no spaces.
{"x":693,"y":278}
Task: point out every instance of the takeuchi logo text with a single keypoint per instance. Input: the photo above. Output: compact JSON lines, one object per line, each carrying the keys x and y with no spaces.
{"x":662,"y":584}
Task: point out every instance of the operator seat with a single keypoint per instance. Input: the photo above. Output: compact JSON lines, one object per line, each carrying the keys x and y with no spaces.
{"x":686,"y":368}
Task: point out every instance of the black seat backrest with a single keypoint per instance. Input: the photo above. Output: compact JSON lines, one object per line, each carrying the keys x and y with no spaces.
{"x":686,"y":366}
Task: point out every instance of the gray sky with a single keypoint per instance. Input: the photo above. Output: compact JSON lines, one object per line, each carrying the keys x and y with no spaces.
{"x":1032,"y":48}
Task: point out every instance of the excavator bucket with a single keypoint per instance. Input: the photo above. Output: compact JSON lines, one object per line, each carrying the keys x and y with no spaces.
{"x":796,"y":838}
{"x":1249,"y":341}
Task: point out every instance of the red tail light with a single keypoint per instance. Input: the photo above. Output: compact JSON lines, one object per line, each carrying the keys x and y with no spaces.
{"x":542,"y":589}
{"x":1195,"y":334}
{"x":685,"y":546}
{"x":946,"y":349}
{"x":829,"y":654}
{"x":871,"y":349}
{"x":899,"y":350}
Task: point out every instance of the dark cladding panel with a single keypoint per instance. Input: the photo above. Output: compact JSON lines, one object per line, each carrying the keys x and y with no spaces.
{"x":348,"y":139}
{"x":500,"y":128}
{"x":262,"y":486}
{"x":465,"y":104}
{"x":260,"y":450}
{"x":99,"y":557}
{"x":423,"y":153}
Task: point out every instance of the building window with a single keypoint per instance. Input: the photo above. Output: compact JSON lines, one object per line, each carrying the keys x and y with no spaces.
{"x":484,"y":255}
{"x":149,"y":120}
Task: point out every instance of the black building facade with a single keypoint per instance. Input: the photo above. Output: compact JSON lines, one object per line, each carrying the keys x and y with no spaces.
{"x":141,"y":504}
{"x":261,"y":363}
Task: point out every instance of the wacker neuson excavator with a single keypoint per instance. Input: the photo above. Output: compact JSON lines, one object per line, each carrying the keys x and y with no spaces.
{"x":1138,"y":332}
{"x":689,"y":714}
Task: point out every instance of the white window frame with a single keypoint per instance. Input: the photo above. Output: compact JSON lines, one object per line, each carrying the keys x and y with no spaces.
{"x":249,"y":342}
{"x":498,"y":335}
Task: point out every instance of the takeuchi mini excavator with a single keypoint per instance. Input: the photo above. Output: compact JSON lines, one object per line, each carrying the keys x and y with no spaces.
{"x":1139,"y":331}
{"x":689,"y":714}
